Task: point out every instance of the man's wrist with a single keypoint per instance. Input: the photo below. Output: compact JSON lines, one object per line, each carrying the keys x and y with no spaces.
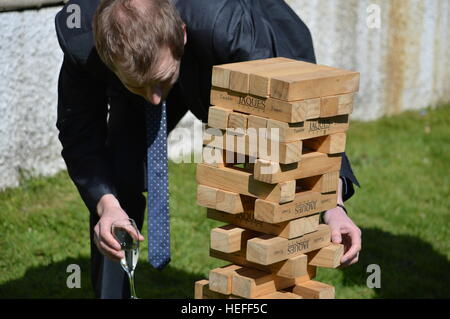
{"x":107,"y":201}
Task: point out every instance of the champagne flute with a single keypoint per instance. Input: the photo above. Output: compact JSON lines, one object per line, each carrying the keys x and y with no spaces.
{"x":127,"y":234}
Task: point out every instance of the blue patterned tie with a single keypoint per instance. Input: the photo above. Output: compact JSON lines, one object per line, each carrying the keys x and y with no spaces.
{"x":157,"y":186}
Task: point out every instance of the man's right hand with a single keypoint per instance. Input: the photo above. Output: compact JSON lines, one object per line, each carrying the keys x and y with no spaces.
{"x":109,"y":210}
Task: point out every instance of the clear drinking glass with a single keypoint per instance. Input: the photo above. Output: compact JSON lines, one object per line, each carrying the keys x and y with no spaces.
{"x":126,"y":233}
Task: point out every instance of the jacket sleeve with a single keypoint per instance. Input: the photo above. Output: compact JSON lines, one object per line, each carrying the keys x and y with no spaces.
{"x":269,"y":30}
{"x":82,"y":125}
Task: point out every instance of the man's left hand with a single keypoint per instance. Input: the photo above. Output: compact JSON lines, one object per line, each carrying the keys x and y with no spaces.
{"x":344,"y":231}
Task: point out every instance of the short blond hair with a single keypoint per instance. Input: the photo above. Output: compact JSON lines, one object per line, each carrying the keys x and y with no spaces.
{"x":129,"y":35}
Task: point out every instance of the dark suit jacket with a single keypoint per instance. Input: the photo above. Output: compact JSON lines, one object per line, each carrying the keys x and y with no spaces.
{"x":219,"y":31}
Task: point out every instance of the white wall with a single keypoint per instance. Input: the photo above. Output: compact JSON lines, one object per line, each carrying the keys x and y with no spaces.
{"x":29,"y":62}
{"x":404,"y":65}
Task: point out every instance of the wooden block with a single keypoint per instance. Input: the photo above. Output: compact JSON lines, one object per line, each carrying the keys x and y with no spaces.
{"x":253,"y":283}
{"x":237,"y":120}
{"x":238,"y":181}
{"x":260,"y":80}
{"x":304,"y":204}
{"x":202,"y":291}
{"x":288,"y":132}
{"x":330,"y":144}
{"x":295,"y":111}
{"x":312,"y":164}
{"x":220,"y":279}
{"x":206,"y":196}
{"x":290,"y":268}
{"x":280,"y":295}
{"x":289,"y":229}
{"x":253,"y":145}
{"x":239,"y":78}
{"x":314,"y":84}
{"x":267,"y":249}
{"x":229,"y":202}
{"x":336,"y":105}
{"x":328,"y":182}
{"x":221,"y":73}
{"x":218,"y":117}
{"x":230,"y":238}
{"x":327,"y":257}
{"x":314,"y":290}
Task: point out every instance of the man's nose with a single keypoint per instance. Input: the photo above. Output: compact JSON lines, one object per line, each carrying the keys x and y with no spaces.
{"x":155,"y":95}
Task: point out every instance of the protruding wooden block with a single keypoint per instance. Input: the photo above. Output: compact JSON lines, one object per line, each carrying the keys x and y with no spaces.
{"x":253,"y":283}
{"x":312,"y":164}
{"x":304,"y":204}
{"x":230,"y":238}
{"x":288,"y":132}
{"x":218,"y":117}
{"x":267,"y":249}
{"x":289,"y":229}
{"x":202,"y":291}
{"x":314,"y":290}
{"x":241,"y":182}
{"x":330,"y":144}
{"x":327,"y":257}
{"x":290,"y":268}
{"x":220,"y":279}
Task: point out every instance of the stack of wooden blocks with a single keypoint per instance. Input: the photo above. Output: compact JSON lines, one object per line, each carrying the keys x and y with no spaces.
{"x":273,"y":237}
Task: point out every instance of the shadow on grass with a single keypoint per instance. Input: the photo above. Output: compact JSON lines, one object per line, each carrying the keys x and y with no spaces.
{"x":50,"y":282}
{"x":410,"y":267}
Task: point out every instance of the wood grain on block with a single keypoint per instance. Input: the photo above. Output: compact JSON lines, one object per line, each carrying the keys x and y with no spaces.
{"x":229,"y":202}
{"x":311,"y":164}
{"x":202,"y":291}
{"x":218,"y":117}
{"x":206,"y":196}
{"x":221,"y":73}
{"x":280,"y":295}
{"x":239,"y":78}
{"x":267,"y":249}
{"x":330,"y":144}
{"x":289,"y":229}
{"x":260,"y":80}
{"x":214,"y":156}
{"x":291,"y":112}
{"x":238,"y":181}
{"x":314,"y":290}
{"x":287,"y":132}
{"x":220,"y":279}
{"x":314,"y":84}
{"x":237,"y":120}
{"x":253,"y":283}
{"x":290,"y":268}
{"x":304,"y":204}
{"x":327,"y":257}
{"x":336,"y":105}
{"x":252,"y":144}
{"x":230,"y":238}
{"x":328,"y":182}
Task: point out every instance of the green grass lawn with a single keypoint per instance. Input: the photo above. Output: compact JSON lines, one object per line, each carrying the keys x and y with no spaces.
{"x":403,"y":209}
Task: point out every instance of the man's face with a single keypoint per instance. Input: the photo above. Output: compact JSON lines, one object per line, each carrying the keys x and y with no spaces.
{"x":164,"y":75}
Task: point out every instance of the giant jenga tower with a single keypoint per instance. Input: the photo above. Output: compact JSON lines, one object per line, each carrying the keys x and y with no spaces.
{"x":273,"y":238}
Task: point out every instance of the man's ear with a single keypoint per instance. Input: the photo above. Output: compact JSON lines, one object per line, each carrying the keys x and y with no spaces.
{"x":185,"y":33}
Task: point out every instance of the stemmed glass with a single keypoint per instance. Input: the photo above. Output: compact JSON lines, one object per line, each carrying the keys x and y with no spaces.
{"x":126,"y":233}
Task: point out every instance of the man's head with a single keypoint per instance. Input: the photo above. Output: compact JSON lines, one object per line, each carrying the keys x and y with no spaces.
{"x":142,"y":41}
